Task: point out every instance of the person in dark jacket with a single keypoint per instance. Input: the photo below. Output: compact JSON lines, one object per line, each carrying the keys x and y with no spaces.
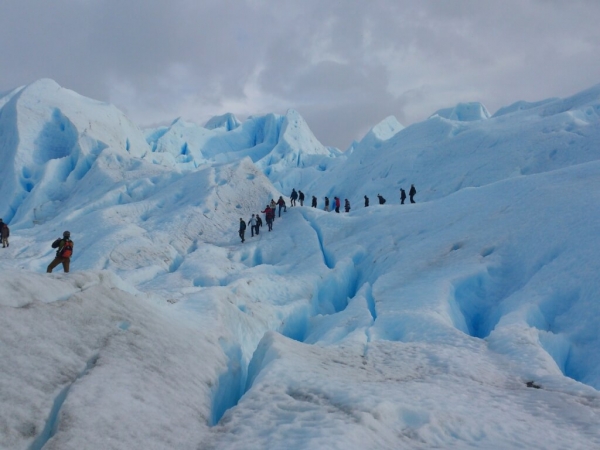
{"x":293,"y":197}
{"x":412,"y":193}
{"x":338,"y":203}
{"x":269,"y":215}
{"x":347,"y":205}
{"x":314,"y":202}
{"x":366,"y":201}
{"x":4,"y":234}
{"x":258,"y":224}
{"x":402,"y":196}
{"x":64,"y":251}
{"x":381,"y":199}
{"x":326,"y":204}
{"x":242,"y":229}
{"x":281,"y":203}
{"x":301,"y":198}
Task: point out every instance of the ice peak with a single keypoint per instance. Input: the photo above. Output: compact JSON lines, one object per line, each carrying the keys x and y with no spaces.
{"x":226,"y":122}
{"x":464,"y":112}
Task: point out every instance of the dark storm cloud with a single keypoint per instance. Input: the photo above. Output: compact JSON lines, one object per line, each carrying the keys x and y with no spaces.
{"x":343,"y":65}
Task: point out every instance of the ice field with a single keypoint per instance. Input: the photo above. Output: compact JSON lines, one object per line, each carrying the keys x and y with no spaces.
{"x":468,"y":320}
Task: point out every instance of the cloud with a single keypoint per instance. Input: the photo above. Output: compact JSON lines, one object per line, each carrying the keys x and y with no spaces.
{"x":343,"y":65}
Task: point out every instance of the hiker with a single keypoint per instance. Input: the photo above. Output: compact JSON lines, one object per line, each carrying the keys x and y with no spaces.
{"x":402,"y":196}
{"x":326,"y":204}
{"x":301,"y":198}
{"x":293,"y":197}
{"x":412,"y":193}
{"x":242,"y":229}
{"x":269,"y":214}
{"x":258,"y":224}
{"x":273,"y":206}
{"x":366,"y":201}
{"x":347,"y":205}
{"x":314,"y":202}
{"x":381,"y":199}
{"x":64,"y":251}
{"x":252,"y":223}
{"x":337,"y":204}
{"x":4,"y":233}
{"x":281,"y":203}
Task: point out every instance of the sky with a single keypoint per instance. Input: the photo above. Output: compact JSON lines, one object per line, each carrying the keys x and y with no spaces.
{"x":344,"y":65}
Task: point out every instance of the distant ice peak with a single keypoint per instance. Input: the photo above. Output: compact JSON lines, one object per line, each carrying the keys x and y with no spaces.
{"x":464,"y":112}
{"x":226,"y":122}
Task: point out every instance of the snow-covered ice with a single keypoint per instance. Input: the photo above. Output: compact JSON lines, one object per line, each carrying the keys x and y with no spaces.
{"x":466,"y":320}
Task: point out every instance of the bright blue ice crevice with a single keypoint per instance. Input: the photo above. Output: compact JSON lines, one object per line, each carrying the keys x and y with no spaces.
{"x":371,"y":302}
{"x":328,"y":258}
{"x":475,"y":304}
{"x":176,"y":263}
{"x":296,"y":325}
{"x":52,"y":422}
{"x":479,"y":295}
{"x":546,"y":318}
{"x":263,"y":354}
{"x":231,"y":385}
{"x":338,"y":285}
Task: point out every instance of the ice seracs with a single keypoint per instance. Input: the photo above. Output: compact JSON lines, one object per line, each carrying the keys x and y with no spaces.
{"x":464,"y":112}
{"x":227,"y":122}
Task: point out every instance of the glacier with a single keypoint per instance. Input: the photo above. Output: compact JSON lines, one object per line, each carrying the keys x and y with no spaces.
{"x":465,"y":320}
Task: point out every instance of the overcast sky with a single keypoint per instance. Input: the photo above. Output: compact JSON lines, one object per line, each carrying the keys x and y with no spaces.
{"x":343,"y":64}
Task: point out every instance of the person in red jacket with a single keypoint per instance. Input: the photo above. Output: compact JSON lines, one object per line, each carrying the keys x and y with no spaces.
{"x":64,"y":251}
{"x":269,"y":216}
{"x":337,"y":204}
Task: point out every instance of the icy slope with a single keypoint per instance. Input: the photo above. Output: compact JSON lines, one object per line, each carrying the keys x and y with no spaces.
{"x":50,"y":137}
{"x":71,"y":343}
{"x":453,"y":307}
{"x":428,"y":321}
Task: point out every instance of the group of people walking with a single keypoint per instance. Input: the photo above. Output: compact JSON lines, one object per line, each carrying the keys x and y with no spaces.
{"x":255,"y":222}
{"x":411,"y":193}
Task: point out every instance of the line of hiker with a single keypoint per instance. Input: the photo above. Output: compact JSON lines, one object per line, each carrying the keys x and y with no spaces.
{"x":411,"y":193}
{"x":255,"y":222}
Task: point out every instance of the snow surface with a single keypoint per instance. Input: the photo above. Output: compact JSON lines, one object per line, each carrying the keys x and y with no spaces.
{"x":466,"y":320}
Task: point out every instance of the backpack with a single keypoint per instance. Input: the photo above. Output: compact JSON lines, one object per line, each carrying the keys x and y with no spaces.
{"x":67,"y":249}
